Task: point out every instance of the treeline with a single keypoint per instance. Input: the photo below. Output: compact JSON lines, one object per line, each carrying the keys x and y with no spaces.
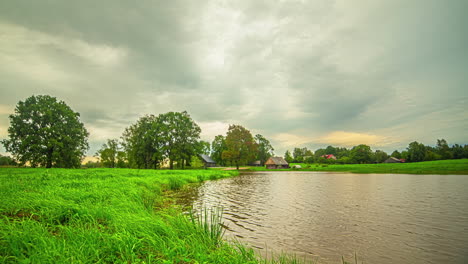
{"x":415,"y":152}
{"x":173,"y":139}
{"x":46,"y":132}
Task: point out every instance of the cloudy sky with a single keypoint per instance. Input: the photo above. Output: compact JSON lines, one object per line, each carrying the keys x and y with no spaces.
{"x":302,"y":73}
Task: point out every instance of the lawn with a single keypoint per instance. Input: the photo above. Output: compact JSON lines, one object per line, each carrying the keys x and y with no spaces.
{"x":428,"y":167}
{"x":105,"y":216}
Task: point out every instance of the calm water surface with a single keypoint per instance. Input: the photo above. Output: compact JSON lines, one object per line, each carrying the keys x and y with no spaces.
{"x":385,"y":218}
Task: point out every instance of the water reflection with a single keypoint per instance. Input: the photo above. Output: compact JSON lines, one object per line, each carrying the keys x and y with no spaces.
{"x":384,"y":218}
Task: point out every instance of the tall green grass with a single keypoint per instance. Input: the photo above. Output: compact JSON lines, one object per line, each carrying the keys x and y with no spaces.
{"x":108,"y":216}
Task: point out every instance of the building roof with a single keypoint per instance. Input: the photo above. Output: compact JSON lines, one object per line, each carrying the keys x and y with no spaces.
{"x":392,"y":159}
{"x":277,"y":161}
{"x":207,"y":158}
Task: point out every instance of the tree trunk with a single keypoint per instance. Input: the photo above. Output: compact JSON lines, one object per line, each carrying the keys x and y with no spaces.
{"x":49,"y":157}
{"x":237,"y":165}
{"x":171,"y":164}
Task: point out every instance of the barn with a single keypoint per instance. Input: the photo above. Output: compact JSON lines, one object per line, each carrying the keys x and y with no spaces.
{"x":207,"y":161}
{"x":276,"y":163}
{"x":392,"y":160}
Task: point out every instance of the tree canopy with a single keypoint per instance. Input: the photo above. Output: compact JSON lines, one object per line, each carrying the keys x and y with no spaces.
{"x":240,"y":145}
{"x":173,"y":136}
{"x":46,"y":132}
{"x":264,"y":149}
{"x":111,"y":154}
{"x":218,"y":146}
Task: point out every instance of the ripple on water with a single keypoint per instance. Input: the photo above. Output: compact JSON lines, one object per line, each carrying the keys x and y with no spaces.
{"x":384,"y":218}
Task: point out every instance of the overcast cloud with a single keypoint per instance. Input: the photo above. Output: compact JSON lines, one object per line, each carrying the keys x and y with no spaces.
{"x":301,"y":73}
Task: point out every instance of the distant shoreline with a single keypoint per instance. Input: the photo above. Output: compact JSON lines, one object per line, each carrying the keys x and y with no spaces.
{"x":443,"y":167}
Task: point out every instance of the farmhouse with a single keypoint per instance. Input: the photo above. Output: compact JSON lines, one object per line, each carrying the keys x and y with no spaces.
{"x":276,"y":163}
{"x":207,"y":161}
{"x":392,"y":160}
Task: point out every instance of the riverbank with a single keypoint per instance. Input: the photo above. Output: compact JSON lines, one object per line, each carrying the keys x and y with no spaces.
{"x":459,"y":166}
{"x":106,"y":216}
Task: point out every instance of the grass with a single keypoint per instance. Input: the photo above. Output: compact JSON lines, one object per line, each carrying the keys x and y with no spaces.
{"x":110,"y":216}
{"x":428,"y":167}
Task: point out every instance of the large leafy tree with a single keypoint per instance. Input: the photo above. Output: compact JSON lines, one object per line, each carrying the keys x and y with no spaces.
{"x":416,"y":151}
{"x":380,"y":156}
{"x":361,"y":154}
{"x":46,"y":132}
{"x":218,"y":146}
{"x":396,"y":154}
{"x":265,"y":150}
{"x":241,"y":146}
{"x":143,"y":143}
{"x":443,"y":149}
{"x":288,"y":157}
{"x":180,"y":136}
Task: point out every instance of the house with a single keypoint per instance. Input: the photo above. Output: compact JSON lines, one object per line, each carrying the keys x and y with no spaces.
{"x":276,"y":163}
{"x":329,"y":156}
{"x":393,"y":160}
{"x":207,"y":161}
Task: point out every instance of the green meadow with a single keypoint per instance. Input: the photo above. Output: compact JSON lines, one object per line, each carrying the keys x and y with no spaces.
{"x":108,"y":216}
{"x":459,"y":166}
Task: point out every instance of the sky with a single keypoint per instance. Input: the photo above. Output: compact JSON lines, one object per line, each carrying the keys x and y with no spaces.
{"x":301,"y":73}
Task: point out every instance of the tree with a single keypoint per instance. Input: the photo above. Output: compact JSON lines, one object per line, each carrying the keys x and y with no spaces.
{"x":298,"y":154}
{"x":309,"y":156}
{"x":380,"y":156}
{"x":288,"y":157}
{"x":416,"y":151}
{"x":396,"y":154}
{"x":443,"y":149}
{"x":457,"y":151}
{"x":143,"y":143}
{"x":361,"y":154}
{"x":241,"y":147}
{"x":180,"y":137}
{"x":203,"y":147}
{"x":46,"y":132}
{"x":111,"y":154}
{"x":265,"y":150}
{"x":218,"y":146}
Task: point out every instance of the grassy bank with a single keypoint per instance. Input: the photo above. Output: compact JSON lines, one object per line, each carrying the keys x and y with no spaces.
{"x":105,"y":216}
{"x":427,"y":167}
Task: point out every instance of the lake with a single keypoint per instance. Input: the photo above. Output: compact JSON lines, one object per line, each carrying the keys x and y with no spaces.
{"x":384,"y":218}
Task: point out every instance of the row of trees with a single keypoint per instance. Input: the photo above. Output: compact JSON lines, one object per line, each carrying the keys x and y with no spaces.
{"x":363,"y":154}
{"x":46,"y":132}
{"x":441,"y":151}
{"x":153,"y":140}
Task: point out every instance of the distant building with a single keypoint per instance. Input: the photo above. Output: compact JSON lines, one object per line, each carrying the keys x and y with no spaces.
{"x":393,"y":160}
{"x":256,"y":163}
{"x":276,"y":163}
{"x":329,"y":156}
{"x":207,"y":161}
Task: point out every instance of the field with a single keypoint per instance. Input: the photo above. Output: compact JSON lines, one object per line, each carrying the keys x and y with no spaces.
{"x":427,"y":167}
{"x":106,"y":216}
